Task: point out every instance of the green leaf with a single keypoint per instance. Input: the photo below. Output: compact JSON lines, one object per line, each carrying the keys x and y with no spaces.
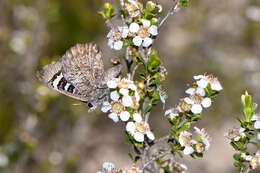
{"x":155,"y":98}
{"x":183,"y":3}
{"x":154,"y":62}
{"x":131,"y":156}
{"x":127,"y":141}
{"x":147,"y":106}
{"x":236,"y":156}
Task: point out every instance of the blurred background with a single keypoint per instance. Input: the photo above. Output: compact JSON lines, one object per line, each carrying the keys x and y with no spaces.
{"x":40,"y":130}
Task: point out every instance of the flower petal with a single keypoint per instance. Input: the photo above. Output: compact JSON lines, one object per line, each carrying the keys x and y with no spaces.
{"x":124,"y":91}
{"x":132,"y":87}
{"x":146,"y":23}
{"x":206,"y":102}
{"x":130,"y":127}
{"x":124,"y":116}
{"x":124,"y":31}
{"x":200,"y":91}
{"x":106,"y":107}
{"x":137,"y":41}
{"x":257,"y":125}
{"x":153,"y":30}
{"x":150,"y":135}
{"x":107,"y":166}
{"x":114,"y":96}
{"x":139,"y":137}
{"x":113,"y":117}
{"x":216,"y":85}
{"x":198,"y":77}
{"x":196,"y":109}
{"x":190,"y":91}
{"x":111,"y":84}
{"x":118,"y":45}
{"x":188,"y":150}
{"x":134,"y":27}
{"x":202,"y":83}
{"x":137,"y":117}
{"x":147,"y":42}
{"x":188,"y":100}
{"x":127,"y":101}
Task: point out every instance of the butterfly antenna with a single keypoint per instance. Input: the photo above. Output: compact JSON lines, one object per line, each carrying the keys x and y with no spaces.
{"x":76,"y":104}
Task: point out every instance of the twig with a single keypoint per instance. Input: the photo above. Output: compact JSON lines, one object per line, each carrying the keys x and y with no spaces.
{"x":162,"y":139}
{"x":169,"y":13}
{"x":155,"y":158}
{"x":134,"y":70}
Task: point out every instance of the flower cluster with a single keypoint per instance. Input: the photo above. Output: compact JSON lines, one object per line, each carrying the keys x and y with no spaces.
{"x":254,"y":160}
{"x":124,"y":106}
{"x":124,"y":99}
{"x":200,"y":94}
{"x":108,"y":167}
{"x":188,"y":112}
{"x":201,"y":144}
{"x":139,"y":30}
{"x":139,"y":129}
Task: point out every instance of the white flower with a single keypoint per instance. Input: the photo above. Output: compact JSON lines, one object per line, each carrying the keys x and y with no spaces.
{"x":235,"y":134}
{"x":139,"y":130}
{"x":143,"y":33}
{"x":184,"y":138}
{"x":185,"y":141}
{"x":115,"y":37}
{"x":172,"y":113}
{"x":204,"y":137}
{"x":137,"y":117}
{"x":203,"y":82}
{"x":107,"y":166}
{"x":116,"y":108}
{"x":133,"y":8}
{"x":196,"y":100}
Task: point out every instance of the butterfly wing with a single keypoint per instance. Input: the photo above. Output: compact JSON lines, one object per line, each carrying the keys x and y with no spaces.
{"x":52,"y":76}
{"x":82,"y":65}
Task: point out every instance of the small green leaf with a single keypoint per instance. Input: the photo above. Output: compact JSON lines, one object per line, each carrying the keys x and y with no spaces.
{"x":154,"y":61}
{"x":183,"y":3}
{"x":236,"y":156}
{"x":147,"y":106}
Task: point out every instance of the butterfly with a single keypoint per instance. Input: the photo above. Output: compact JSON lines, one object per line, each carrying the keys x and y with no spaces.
{"x":79,"y":74}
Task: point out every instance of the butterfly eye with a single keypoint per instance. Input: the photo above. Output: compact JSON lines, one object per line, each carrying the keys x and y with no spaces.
{"x":90,"y":105}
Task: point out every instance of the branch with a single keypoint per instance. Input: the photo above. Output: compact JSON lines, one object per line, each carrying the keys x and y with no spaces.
{"x":162,"y":139}
{"x":173,"y":10}
{"x":154,"y":159}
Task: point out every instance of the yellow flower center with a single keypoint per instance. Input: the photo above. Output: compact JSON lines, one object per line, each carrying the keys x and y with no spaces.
{"x":117,"y":107}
